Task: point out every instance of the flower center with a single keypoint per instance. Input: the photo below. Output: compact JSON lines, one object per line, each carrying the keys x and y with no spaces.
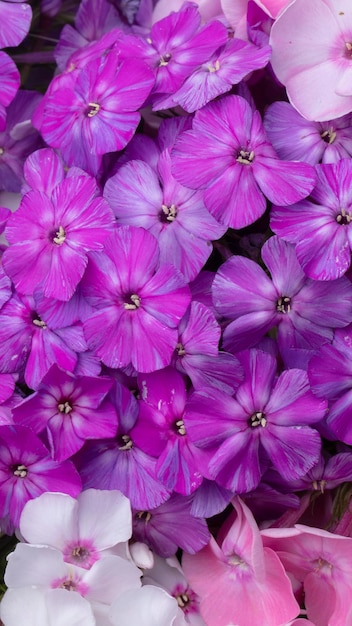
{"x":343,"y":218}
{"x":322,"y":564}
{"x":168,"y":213}
{"x":245,"y":157}
{"x":164,"y":59}
{"x":134,"y":303}
{"x":80,"y":554}
{"x":145,"y":516}
{"x":65,"y":407}
{"x":180,"y":349}
{"x":20,"y":470}
{"x":213,"y":68}
{"x":182,"y":600}
{"x":180,"y":427}
{"x":328,"y":136}
{"x":348,"y":49}
{"x":319,"y":485}
{"x":257,"y":419}
{"x":2,"y":151}
{"x":283,"y":304}
{"x":37,"y":321}
{"x":92,"y":109}
{"x":126,"y":442}
{"x":59,"y":237}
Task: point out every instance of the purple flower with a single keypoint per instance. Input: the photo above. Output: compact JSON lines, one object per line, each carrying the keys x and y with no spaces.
{"x":139,"y":307}
{"x":160,"y":528}
{"x":9,"y":84}
{"x":304,"y":310}
{"x":50,"y":237}
{"x":30,"y":346}
{"x":228,"y":154}
{"x":94,"y":110}
{"x":26,"y":471}
{"x":197,"y":353}
{"x":119,"y":463}
{"x":175,"y":215}
{"x":225,"y":68}
{"x":298,"y":139}
{"x":160,"y":431}
{"x":266,"y":414}
{"x":72,"y":410}
{"x":321,"y":226}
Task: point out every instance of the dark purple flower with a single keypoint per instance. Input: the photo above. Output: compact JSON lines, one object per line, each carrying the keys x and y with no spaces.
{"x":139,"y":306}
{"x":266,"y":414}
{"x":26,"y":471}
{"x":228,"y":154}
{"x":171,"y":526}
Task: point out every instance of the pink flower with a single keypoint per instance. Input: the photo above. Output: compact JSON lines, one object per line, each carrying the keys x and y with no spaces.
{"x":312,"y":49}
{"x":248,"y":578}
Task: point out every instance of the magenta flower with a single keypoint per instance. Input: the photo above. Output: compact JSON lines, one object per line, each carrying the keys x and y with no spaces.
{"x":139,"y":306}
{"x":250,"y":579}
{"x":26,"y":471}
{"x":50,"y":237}
{"x":298,"y":139}
{"x":266,"y":413}
{"x":30,"y":346}
{"x":9,"y":84}
{"x":83,"y":117}
{"x":304,"y":310}
{"x":320,"y":227}
{"x":175,"y":215}
{"x":228,"y":154}
{"x":119,"y":463}
{"x":71,"y":410}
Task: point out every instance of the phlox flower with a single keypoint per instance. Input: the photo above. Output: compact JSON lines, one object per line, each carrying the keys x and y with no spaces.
{"x":266,"y":414}
{"x":227,"y":154}
{"x":175,"y":215}
{"x":33,"y":607}
{"x":317,"y":76}
{"x":249,"y":579}
{"x":82,"y":529}
{"x":322,"y":562}
{"x":197,"y":353}
{"x":320,"y":227}
{"x":50,"y":236}
{"x":138,"y":306}
{"x":70,"y":410}
{"x":167,"y":574}
{"x":171,"y":526}
{"x":148,"y":606}
{"x":304,"y":310}
{"x":26,"y":471}
{"x":119,"y":463}
{"x":298,"y":139}
{"x":9,"y":84}
{"x":84,"y":117}
{"x":30,"y":346}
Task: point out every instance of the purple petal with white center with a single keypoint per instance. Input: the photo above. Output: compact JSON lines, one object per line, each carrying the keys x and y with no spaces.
{"x":236,"y":464}
{"x":259,"y":375}
{"x":281,"y":261}
{"x":339,"y":418}
{"x":210,"y":499}
{"x":221,"y":371}
{"x":336,"y":375}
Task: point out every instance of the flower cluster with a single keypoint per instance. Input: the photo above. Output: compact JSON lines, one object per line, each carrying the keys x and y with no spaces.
{"x":176,"y":312}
